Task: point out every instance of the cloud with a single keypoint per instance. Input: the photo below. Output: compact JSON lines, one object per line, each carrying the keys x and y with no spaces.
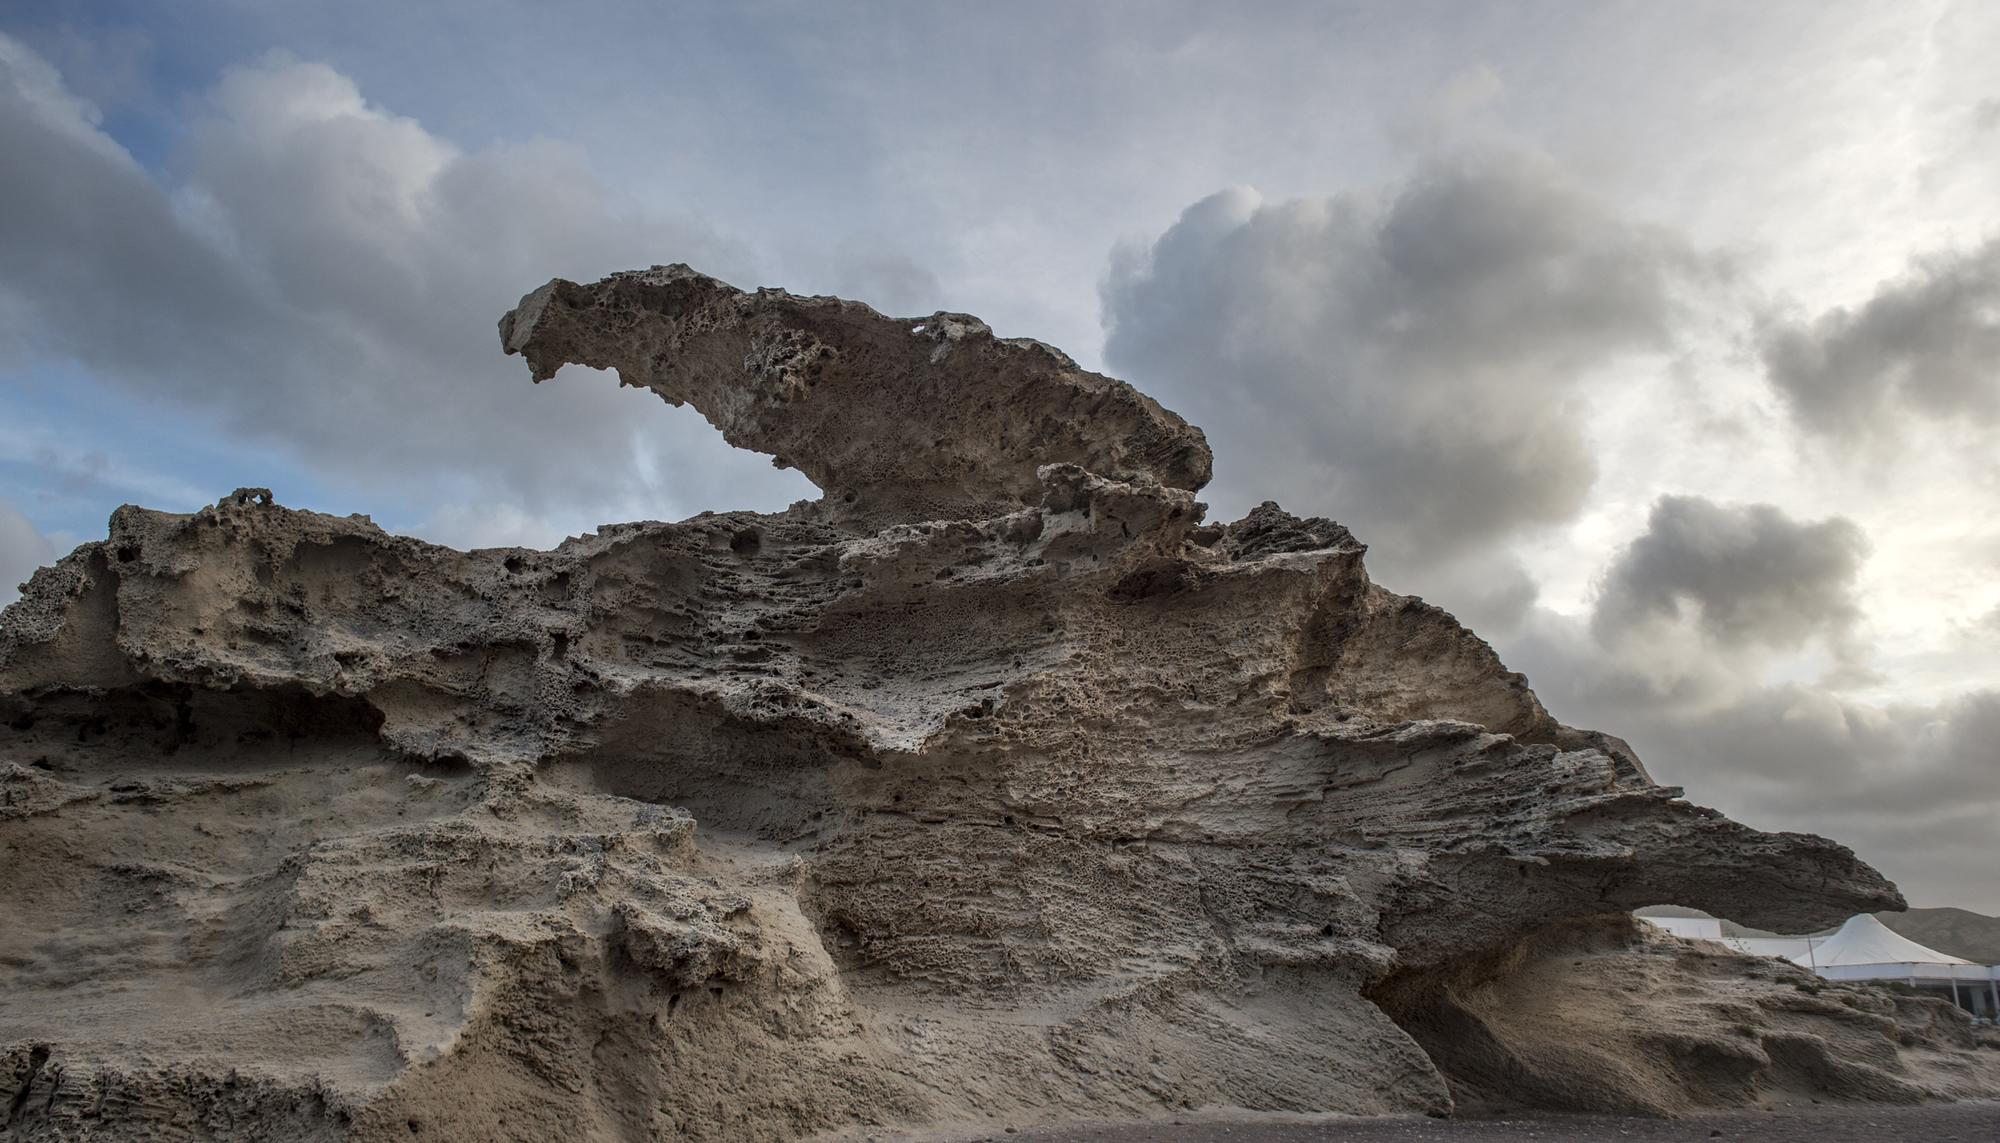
{"x":23,"y":548}
{"x":1913,"y":788}
{"x":96,"y":263}
{"x":872,"y":269}
{"x":1743,"y":576}
{"x":327,"y":275}
{"x":1684,"y":655}
{"x":1410,"y":363}
{"x":110,"y":65}
{"x":466,"y":527}
{"x":1710,"y":603}
{"x":1924,"y":345}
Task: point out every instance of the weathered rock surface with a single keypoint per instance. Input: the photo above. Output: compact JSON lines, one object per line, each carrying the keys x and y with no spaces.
{"x":995,"y":783}
{"x":931,"y":418}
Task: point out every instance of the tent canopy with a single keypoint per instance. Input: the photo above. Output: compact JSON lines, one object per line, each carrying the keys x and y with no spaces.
{"x":1865,"y":940}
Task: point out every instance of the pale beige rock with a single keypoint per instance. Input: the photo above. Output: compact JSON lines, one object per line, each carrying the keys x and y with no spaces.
{"x":994,"y":784}
{"x":892,"y":419}
{"x":1594,"y":1016}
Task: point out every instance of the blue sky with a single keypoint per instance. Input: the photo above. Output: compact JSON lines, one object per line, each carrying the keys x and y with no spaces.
{"x":1658,"y":342}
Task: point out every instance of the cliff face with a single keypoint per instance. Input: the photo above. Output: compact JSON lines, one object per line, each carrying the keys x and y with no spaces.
{"x":994,"y":783}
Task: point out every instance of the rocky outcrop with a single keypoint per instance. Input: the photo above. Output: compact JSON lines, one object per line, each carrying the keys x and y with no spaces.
{"x":996,"y":783}
{"x":895,"y":420}
{"x":1596,"y":1016}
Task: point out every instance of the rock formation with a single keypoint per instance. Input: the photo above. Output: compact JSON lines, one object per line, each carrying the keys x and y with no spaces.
{"x":995,"y":784}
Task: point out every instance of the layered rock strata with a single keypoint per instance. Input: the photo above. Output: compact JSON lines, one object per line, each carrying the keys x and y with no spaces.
{"x":995,"y":784}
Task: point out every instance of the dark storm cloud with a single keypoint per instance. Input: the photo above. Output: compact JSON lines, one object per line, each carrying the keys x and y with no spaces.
{"x":1406,"y":364}
{"x":1926,"y":344}
{"x":1694,"y":612}
{"x":1741,"y":574}
{"x":328,"y":275}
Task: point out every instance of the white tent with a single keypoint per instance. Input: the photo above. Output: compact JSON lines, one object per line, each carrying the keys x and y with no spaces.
{"x":1867,"y":949}
{"x":1865,"y":941}
{"x":1862,"y":949}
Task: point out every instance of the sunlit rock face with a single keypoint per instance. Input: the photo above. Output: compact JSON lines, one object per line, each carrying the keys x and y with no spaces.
{"x":995,"y":783}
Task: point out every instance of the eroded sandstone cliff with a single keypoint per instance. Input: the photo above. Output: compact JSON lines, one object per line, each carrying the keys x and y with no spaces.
{"x":995,"y":783}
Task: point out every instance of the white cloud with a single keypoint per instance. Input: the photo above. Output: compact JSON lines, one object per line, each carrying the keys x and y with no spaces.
{"x":22,"y":549}
{"x":1413,"y":364}
{"x":328,"y":275}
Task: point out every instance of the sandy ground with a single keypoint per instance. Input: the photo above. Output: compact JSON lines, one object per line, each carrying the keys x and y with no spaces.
{"x":1975,"y":1122}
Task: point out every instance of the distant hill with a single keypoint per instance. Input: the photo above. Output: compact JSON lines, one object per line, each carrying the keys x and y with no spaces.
{"x":1960,"y":932}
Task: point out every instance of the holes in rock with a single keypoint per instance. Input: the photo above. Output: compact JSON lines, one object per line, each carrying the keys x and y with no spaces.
{"x":1150,"y":582}
{"x":746,"y":542}
{"x":514,"y":564}
{"x":839,"y":933}
{"x":450,"y":764}
{"x":556,"y":590}
{"x":764,"y":774}
{"x":1326,"y":930}
{"x":170,"y":717}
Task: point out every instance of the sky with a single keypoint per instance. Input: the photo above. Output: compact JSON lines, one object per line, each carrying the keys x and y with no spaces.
{"x":1659,"y":343}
